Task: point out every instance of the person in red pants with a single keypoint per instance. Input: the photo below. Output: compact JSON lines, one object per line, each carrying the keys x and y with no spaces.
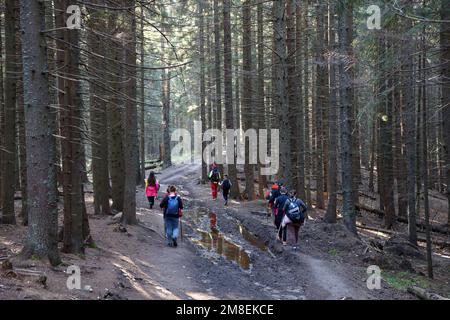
{"x":214,"y":177}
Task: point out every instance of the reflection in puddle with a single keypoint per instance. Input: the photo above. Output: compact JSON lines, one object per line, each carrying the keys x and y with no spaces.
{"x":252,"y":239}
{"x":214,"y":240}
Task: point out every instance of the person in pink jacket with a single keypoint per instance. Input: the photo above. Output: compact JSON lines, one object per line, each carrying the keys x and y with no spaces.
{"x":152,"y":187}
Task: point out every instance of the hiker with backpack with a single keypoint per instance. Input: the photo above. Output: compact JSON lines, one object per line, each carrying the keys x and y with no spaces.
{"x":294,"y":216}
{"x":151,"y":188}
{"x":278,"y":210}
{"x":172,"y":206}
{"x":273,"y":195}
{"x":226,"y":186}
{"x":214,"y":177}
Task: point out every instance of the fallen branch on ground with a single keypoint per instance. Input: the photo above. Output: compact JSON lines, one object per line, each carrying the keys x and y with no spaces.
{"x":424,"y":294}
{"x":439,"y":243}
{"x":380,"y":213}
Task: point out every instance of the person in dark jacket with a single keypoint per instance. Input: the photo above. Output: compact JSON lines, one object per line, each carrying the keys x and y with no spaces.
{"x":278,"y":210}
{"x":226,"y":186}
{"x":172,"y":206}
{"x":298,"y":211}
{"x":214,"y":177}
{"x":274,"y":194}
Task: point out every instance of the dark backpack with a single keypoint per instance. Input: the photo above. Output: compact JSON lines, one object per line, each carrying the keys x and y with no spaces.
{"x":294,"y":213}
{"x":215,"y":176}
{"x":172,"y":207}
{"x":226,"y":185}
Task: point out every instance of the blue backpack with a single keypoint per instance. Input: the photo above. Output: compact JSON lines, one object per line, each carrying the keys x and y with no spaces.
{"x":172,"y":206}
{"x":294,"y":213}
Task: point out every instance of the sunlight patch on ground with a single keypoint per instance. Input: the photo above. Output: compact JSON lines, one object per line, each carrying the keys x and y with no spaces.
{"x":444,"y":256}
{"x":375,"y":233}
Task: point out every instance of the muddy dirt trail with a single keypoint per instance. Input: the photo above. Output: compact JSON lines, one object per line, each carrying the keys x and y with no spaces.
{"x":224,"y":253}
{"x":231,"y":252}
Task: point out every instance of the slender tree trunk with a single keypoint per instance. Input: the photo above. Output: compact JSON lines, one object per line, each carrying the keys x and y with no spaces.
{"x":42,"y":239}
{"x":399,"y":155}
{"x":247,"y":95}
{"x":131,"y":147}
{"x":410,"y":134}
{"x":373,"y":144}
{"x":424,"y":159}
{"x":308,"y":159}
{"x":21,"y":131}
{"x":300,"y":48}
{"x":281,"y":83}
{"x":99,"y":146}
{"x":292,"y":88}
{"x":2,"y":116}
{"x":260,"y":95}
{"x":217,"y":70}
{"x":319,"y":106}
{"x":70,"y":124}
{"x":202,"y":84}
{"x":445,"y":73}
{"x":142,"y":96}
{"x":167,"y":161}
{"x":386,"y":144}
{"x":228,"y":93}
{"x":9,"y":144}
{"x":331,"y":215}
{"x":345,"y":112}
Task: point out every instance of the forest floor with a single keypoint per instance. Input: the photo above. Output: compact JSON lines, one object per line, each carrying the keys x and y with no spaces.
{"x":224,"y":253}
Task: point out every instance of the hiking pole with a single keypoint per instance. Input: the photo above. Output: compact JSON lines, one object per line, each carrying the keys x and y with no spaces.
{"x":278,"y":233}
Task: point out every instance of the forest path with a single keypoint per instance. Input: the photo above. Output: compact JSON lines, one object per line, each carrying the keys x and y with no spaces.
{"x":291,"y":275}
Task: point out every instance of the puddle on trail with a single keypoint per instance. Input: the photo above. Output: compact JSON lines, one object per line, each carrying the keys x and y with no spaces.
{"x":214,"y":240}
{"x":252,"y":239}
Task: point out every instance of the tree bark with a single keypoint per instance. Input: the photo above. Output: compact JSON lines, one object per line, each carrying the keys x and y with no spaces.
{"x":345,"y":112}
{"x":445,"y":74}
{"x":142,"y":96}
{"x":300,"y":48}
{"x":331,"y":215}
{"x":260,"y":95}
{"x":131,"y":147}
{"x":410,"y":135}
{"x":228,"y":94}
{"x":281,"y":102}
{"x":247,"y":96}
{"x":425,"y":159}
{"x":319,"y":106}
{"x":292,"y":89}
{"x":201,"y":25}
{"x":2,"y":118}
{"x":42,"y":238}
{"x":70,"y":123}
{"x":21,"y":132}
{"x":114,"y":119}
{"x":99,"y":145}
{"x":9,"y":140}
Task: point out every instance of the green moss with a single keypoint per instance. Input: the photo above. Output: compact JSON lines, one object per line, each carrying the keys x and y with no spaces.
{"x":402,"y":280}
{"x":333,"y":252}
{"x":35,"y":257}
{"x":92,"y":245}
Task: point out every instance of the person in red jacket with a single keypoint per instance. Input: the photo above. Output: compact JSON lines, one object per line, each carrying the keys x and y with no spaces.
{"x":214,"y":177}
{"x":152,"y":187}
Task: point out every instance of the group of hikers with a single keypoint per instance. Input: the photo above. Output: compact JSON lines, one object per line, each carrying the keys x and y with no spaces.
{"x":288,"y":210}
